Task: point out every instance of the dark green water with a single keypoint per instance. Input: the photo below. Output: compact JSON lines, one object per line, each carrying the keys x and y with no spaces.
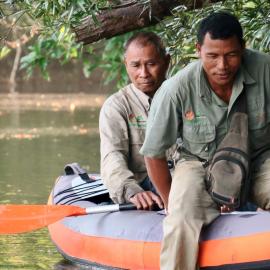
{"x":34,"y":147}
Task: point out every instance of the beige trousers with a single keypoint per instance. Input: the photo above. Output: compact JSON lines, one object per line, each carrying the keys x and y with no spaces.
{"x":191,"y":207}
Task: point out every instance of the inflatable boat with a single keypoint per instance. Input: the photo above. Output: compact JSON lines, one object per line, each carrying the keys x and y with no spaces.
{"x":131,"y":239}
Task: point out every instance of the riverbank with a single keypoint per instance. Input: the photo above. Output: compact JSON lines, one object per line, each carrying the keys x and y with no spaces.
{"x":54,"y":102}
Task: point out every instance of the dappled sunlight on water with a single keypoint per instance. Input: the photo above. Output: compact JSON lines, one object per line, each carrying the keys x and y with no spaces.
{"x":28,"y":251}
{"x":29,"y":134}
{"x":35,"y":146}
{"x":34,"y":124}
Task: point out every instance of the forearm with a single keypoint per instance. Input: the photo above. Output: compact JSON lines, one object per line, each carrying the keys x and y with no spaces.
{"x":119,"y":180}
{"x":159,"y":174}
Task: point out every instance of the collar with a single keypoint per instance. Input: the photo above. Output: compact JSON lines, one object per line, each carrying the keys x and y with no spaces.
{"x":247,"y":78}
{"x":203,"y":88}
{"x":144,"y":99}
{"x":242,"y":80}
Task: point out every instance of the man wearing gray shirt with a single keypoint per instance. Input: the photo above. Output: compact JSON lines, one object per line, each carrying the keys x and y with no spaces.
{"x":122,"y":122}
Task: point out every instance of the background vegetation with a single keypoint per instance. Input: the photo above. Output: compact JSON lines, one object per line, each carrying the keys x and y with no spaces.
{"x":43,"y":28}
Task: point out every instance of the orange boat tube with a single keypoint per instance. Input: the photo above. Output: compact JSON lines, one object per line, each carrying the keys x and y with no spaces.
{"x":131,"y":239}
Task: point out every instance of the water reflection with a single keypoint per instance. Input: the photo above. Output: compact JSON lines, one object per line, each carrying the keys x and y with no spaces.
{"x":35,"y":146}
{"x":28,"y":251}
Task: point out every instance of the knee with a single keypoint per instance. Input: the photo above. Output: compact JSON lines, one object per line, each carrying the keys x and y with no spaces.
{"x":186,"y":209}
{"x":187,"y":199}
{"x":260,"y":191}
{"x":181,"y":201}
{"x":263,"y":200}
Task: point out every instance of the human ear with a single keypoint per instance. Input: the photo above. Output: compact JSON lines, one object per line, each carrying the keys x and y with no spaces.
{"x":198,"y":49}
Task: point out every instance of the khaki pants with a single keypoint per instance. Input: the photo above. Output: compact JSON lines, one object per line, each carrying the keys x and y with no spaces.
{"x":191,"y":207}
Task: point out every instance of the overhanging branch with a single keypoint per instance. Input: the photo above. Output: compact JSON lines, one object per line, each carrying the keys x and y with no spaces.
{"x":128,"y":17}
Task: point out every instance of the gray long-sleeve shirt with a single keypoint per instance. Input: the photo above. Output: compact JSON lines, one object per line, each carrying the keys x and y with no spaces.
{"x":122,"y":125}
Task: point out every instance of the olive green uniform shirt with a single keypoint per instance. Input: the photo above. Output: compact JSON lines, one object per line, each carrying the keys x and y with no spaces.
{"x":186,"y":107}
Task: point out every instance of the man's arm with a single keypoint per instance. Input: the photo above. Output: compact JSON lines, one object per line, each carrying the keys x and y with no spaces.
{"x":115,"y":155}
{"x":160,"y":175}
{"x":114,"y":152}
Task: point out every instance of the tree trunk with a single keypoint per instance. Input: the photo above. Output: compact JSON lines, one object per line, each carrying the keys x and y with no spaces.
{"x":16,"y":63}
{"x":130,"y":16}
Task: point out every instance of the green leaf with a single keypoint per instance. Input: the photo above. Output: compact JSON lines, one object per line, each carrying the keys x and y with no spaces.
{"x":80,"y":4}
{"x":42,"y":64}
{"x":62,"y":33}
{"x":4,"y":52}
{"x":249,"y":4}
{"x":62,"y":3}
{"x":29,"y":58}
{"x":70,"y":13}
{"x":73,"y":53}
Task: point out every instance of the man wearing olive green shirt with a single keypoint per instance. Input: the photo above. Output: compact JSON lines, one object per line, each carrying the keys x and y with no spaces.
{"x":196,"y":105}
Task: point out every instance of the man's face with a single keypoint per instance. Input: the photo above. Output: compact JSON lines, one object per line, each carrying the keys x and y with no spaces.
{"x":221,"y":60}
{"x":145,"y":68}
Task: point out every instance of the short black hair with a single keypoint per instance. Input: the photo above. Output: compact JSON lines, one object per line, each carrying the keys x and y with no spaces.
{"x":220,"y":25}
{"x":145,"y":38}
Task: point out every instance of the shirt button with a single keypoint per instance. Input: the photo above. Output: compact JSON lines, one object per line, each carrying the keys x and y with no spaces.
{"x":206,"y":148}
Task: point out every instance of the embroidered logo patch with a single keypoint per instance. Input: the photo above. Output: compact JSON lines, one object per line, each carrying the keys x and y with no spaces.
{"x":189,"y":115}
{"x":132,"y":115}
{"x":137,"y":121}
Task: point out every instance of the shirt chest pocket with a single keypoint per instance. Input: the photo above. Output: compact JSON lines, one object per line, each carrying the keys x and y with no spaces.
{"x":258,"y":122}
{"x":136,"y":160}
{"x":199,"y":136}
{"x":257,"y":117}
{"x":136,"y":135}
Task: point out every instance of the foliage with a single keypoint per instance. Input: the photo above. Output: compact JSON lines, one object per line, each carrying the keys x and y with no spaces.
{"x":179,"y":33}
{"x":110,"y":61}
{"x":180,"y":30}
{"x":48,"y":25}
{"x":51,"y":22}
{"x":60,"y":46}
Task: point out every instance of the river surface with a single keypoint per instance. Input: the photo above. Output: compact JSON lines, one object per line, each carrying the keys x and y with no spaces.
{"x":35,"y":146}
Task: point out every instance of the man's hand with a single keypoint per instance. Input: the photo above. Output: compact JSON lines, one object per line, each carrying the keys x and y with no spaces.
{"x":146,"y":200}
{"x":227,"y":209}
{"x":160,"y":176}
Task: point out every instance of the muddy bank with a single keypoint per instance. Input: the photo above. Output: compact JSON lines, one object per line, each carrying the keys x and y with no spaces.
{"x":55,"y":102}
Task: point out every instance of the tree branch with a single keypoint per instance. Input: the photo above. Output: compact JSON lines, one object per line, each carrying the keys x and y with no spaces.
{"x":128,"y":17}
{"x":12,"y":78}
